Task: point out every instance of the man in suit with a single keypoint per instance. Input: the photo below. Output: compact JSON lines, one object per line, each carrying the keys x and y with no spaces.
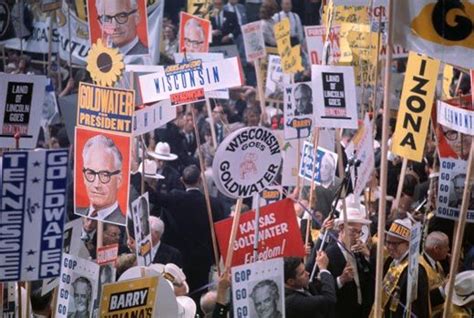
{"x":102,"y":172}
{"x":296,"y":28}
{"x":394,"y":294}
{"x":351,"y":269}
{"x":305,"y":300}
{"x":119,"y":21}
{"x":187,"y":226}
{"x":240,"y":11}
{"x":162,"y":253}
{"x":225,"y":25}
{"x":189,"y":142}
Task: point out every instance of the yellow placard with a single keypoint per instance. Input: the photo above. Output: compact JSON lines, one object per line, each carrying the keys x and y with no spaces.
{"x":346,"y":14}
{"x":415,"y":107}
{"x":200,"y":8}
{"x":290,"y":56}
{"x":131,"y":298}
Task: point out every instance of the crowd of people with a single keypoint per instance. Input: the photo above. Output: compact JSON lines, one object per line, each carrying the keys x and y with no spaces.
{"x":337,"y":276}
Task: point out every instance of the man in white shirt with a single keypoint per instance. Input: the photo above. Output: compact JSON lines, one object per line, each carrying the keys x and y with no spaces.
{"x":296,"y":28}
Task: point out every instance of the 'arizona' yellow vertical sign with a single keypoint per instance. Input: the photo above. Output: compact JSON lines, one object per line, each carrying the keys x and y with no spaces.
{"x":415,"y":107}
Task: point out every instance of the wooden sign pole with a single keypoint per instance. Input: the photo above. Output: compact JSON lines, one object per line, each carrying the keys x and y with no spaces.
{"x":312,"y":195}
{"x":459,"y":233}
{"x":400,"y":183}
{"x":257,"y":216}
{"x":206,"y":195}
{"x":384,"y":166}
{"x":261,"y":93}
{"x":340,"y":167}
{"x":211,"y":123}
{"x":233,"y":234}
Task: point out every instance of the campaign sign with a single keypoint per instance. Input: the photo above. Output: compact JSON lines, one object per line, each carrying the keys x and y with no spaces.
{"x":278,"y":234}
{"x":246,"y":162}
{"x":315,"y":38}
{"x":105,"y":108}
{"x":131,"y":298}
{"x":298,"y":110}
{"x":456,"y":118}
{"x":275,"y":79}
{"x":325,"y":161}
{"x":210,"y":77}
{"x":107,"y":254}
{"x":154,"y":116}
{"x":77,"y":287}
{"x":253,"y":41}
{"x":268,"y":196}
{"x":32,"y":214}
{"x":334,"y":96}
{"x":450,"y":190}
{"x":22,"y":97}
{"x":141,"y":228}
{"x":258,"y":289}
{"x":413,"y":262}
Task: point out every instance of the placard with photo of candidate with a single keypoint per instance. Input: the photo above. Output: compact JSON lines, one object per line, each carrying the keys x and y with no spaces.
{"x":298,"y":101}
{"x":193,"y":34}
{"x":121,"y":24}
{"x":101,"y":175}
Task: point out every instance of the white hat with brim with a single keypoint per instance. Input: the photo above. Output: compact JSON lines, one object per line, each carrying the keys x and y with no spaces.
{"x":163,"y":152}
{"x":463,"y":288}
{"x":137,"y":272}
{"x":355,"y":212}
{"x":150,"y":170}
{"x":186,"y":307}
{"x":400,"y":228}
{"x":175,"y":275}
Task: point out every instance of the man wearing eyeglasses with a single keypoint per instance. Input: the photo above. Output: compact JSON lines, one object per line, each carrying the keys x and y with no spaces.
{"x":194,"y":37}
{"x":102,"y":172}
{"x":119,"y":20}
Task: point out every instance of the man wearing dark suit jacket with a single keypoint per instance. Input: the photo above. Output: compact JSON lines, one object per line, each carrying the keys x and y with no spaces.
{"x":225,"y":25}
{"x":303,"y":299}
{"x":187,"y":226}
{"x":162,"y":253}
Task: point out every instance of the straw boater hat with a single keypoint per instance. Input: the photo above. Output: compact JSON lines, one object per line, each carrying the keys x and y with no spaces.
{"x":355,"y":212}
{"x":463,"y":288}
{"x":400,"y":228}
{"x":150,"y":169}
{"x":163,"y":152}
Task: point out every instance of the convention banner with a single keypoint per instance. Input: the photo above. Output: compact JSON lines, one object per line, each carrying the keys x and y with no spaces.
{"x":455,"y":118}
{"x":427,"y":26}
{"x":77,"y":287}
{"x":258,"y":289}
{"x":176,"y":79}
{"x":278,"y":234}
{"x":32,"y":214}
{"x":22,"y":97}
{"x":315,"y":38}
{"x":131,"y":298}
{"x":105,"y":108}
{"x":450,"y":190}
{"x":194,"y":33}
{"x":153,"y":116}
{"x":334,"y":96}
{"x":325,"y":161}
{"x":408,"y":140}
{"x":101,"y":175}
{"x":246,"y":162}
{"x":253,"y":41}
{"x":298,"y":113}
{"x":141,"y":227}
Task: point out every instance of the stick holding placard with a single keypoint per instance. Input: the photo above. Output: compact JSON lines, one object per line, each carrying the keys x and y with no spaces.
{"x":466,"y":198}
{"x":400,"y":183}
{"x":233,"y":234}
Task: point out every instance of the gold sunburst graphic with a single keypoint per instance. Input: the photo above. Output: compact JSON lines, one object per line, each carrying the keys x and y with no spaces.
{"x":104,"y":64}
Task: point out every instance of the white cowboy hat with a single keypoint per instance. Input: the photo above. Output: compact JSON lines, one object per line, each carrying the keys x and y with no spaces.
{"x":400,"y":228}
{"x":463,"y":288}
{"x":163,"y":152}
{"x":175,"y":275}
{"x":150,"y":169}
{"x":137,"y":272}
{"x":355,"y":212}
{"x":186,"y":307}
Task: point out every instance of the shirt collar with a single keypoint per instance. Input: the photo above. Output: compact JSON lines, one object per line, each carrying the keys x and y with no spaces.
{"x":430,"y":260}
{"x":192,"y":188}
{"x":104,"y":213}
{"x":155,"y":248}
{"x":127,"y":47}
{"x":397,"y":262}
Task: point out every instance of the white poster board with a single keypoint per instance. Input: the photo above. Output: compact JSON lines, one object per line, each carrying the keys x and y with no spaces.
{"x":253,"y":40}
{"x":141,"y":227}
{"x":298,"y":114}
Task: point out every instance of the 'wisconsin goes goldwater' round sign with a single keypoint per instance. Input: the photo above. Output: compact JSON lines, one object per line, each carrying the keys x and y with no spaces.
{"x":246,"y":162}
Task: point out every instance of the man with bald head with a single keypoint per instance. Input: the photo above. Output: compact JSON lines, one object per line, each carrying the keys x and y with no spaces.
{"x":436,"y":250}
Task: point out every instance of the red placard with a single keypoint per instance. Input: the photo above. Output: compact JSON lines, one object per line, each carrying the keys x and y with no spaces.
{"x":107,"y":254}
{"x":279,"y":234}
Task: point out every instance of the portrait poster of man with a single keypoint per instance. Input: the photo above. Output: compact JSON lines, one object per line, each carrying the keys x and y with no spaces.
{"x":79,"y":280}
{"x":101,"y":175}
{"x":262,"y":282}
{"x":298,"y":110}
{"x":451,"y":186}
{"x":141,"y":228}
{"x":193,"y":34}
{"x":121,"y":24}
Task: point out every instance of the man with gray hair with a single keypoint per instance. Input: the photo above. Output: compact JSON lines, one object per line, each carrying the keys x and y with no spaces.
{"x":194,"y":37}
{"x":119,"y":20}
{"x":436,"y":250}
{"x":265,"y":296}
{"x":162,"y":253}
{"x":102,"y":172}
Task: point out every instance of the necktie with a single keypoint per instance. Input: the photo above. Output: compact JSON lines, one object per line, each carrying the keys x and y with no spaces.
{"x":239,"y":19}
{"x":219,"y":20}
{"x":93,"y":214}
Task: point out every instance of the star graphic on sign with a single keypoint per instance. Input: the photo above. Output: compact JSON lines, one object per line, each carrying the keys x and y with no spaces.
{"x":36,"y":180}
{"x":36,"y":163}
{"x":30,"y":268}
{"x":30,"y":252}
